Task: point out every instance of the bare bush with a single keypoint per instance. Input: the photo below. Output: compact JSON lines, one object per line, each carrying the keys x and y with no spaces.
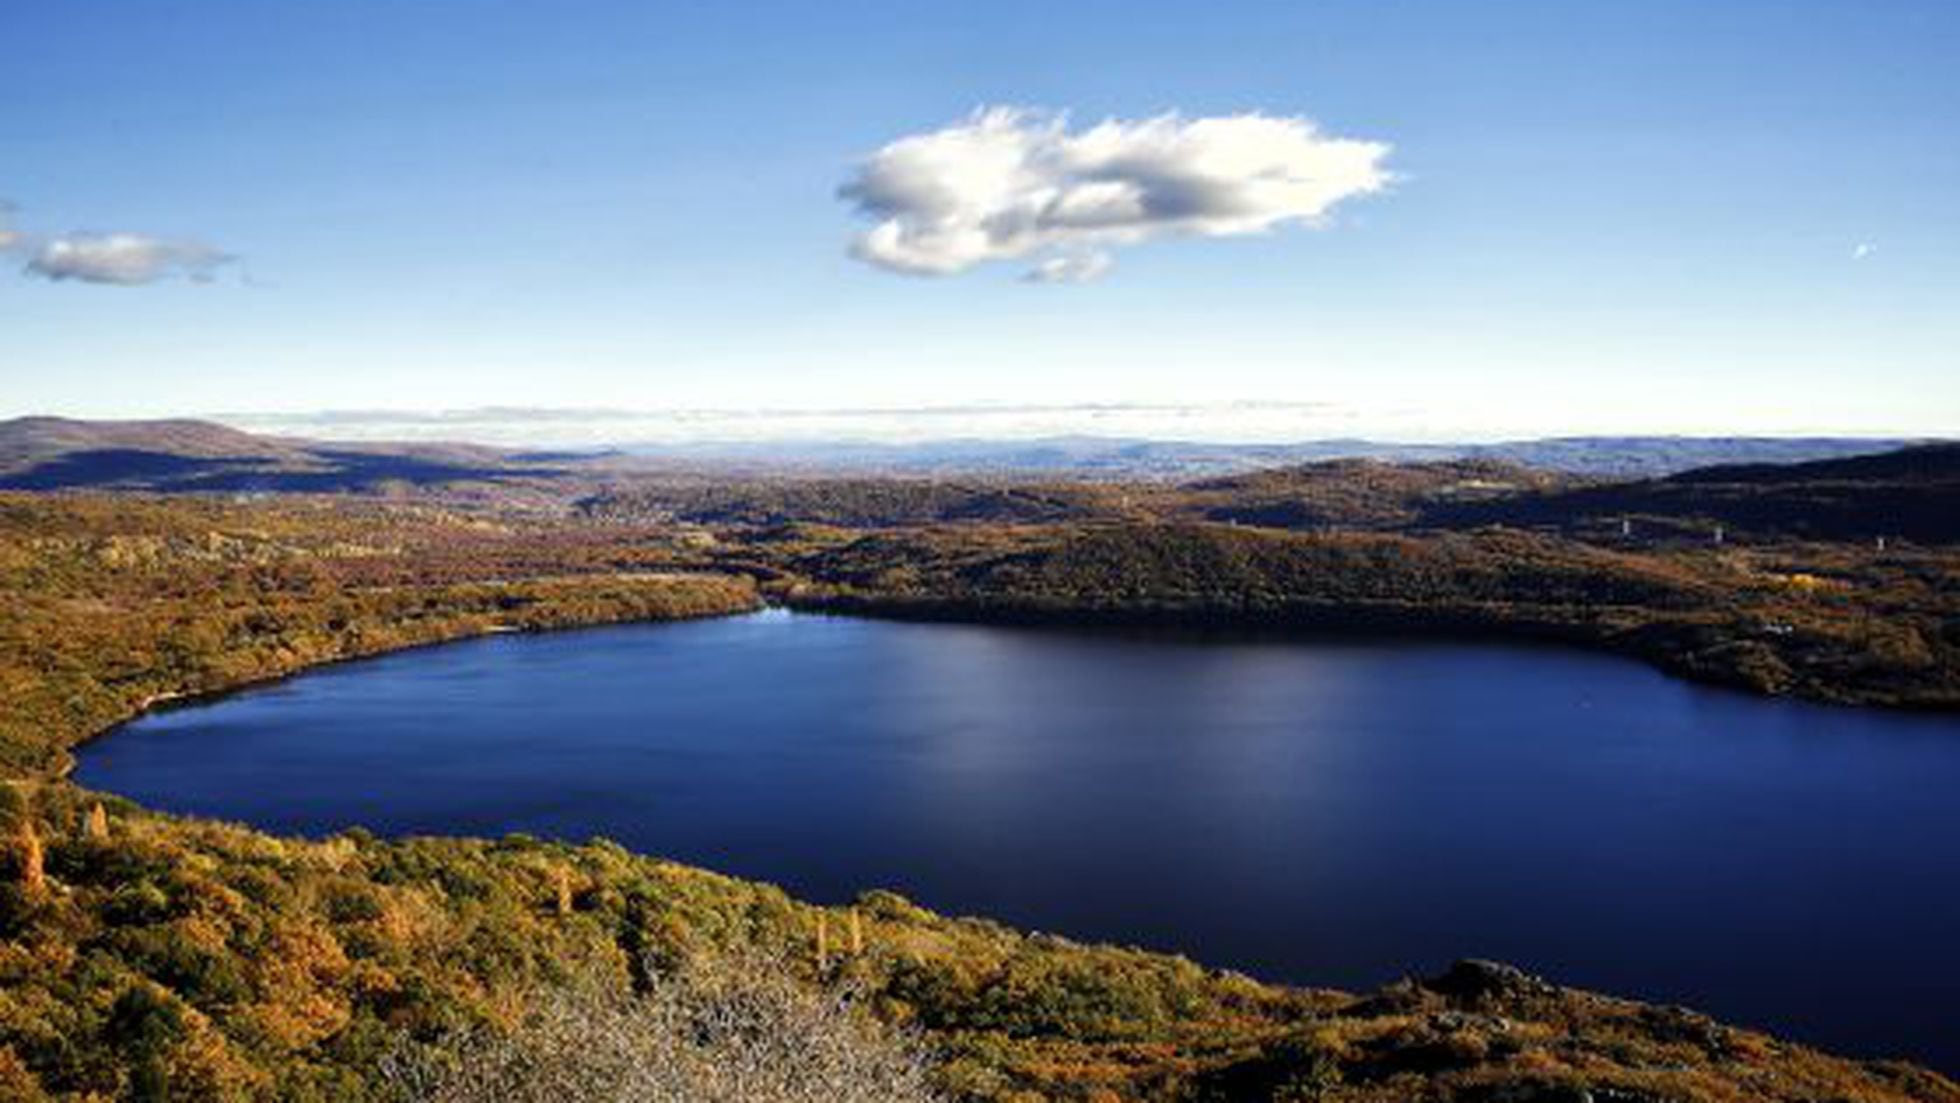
{"x":722,"y":1030}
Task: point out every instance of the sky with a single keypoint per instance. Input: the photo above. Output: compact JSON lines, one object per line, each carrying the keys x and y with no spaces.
{"x":1226,"y":221}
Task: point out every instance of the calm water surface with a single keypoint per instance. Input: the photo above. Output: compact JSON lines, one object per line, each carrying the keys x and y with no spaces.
{"x":1331,"y":813}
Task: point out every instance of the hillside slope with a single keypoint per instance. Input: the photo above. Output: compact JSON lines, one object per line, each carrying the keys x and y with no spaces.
{"x":1910,"y":494}
{"x":148,"y":956}
{"x":178,"y":456}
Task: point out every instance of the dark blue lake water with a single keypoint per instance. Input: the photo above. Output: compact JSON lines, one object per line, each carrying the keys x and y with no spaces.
{"x":1328,"y":813}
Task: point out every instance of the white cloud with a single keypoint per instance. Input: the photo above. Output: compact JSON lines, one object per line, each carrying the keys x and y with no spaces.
{"x":124,"y":259}
{"x":1862,"y":250}
{"x":1008,"y":183}
{"x":1069,"y":268}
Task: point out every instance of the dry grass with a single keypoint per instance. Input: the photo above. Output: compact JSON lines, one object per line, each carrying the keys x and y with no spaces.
{"x":717,"y":1030}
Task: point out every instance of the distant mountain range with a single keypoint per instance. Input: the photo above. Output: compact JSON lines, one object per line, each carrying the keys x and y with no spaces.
{"x":47,"y":453}
{"x":1130,"y":458}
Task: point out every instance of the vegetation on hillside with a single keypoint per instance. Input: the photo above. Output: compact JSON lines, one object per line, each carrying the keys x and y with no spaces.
{"x":115,"y":604}
{"x":743,"y":1027}
{"x":1908,"y":495}
{"x":1830,"y":622}
{"x":1362,"y":494}
{"x":148,"y":956}
{"x":212,"y":962}
{"x":851,"y":503}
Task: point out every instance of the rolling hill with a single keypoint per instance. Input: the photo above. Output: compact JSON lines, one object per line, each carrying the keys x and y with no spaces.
{"x":179,"y":456}
{"x":1908,"y":494}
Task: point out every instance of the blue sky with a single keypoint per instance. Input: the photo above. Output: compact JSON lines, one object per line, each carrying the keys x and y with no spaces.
{"x":1604,"y":216}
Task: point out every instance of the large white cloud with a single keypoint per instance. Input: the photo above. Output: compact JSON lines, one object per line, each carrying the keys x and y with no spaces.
{"x":126,"y":259}
{"x":1009,"y":183}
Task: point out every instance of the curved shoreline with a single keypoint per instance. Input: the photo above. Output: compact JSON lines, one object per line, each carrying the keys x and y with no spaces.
{"x":1335,"y":621}
{"x":163,"y":700}
{"x":1303,"y":622}
{"x":181,"y":699}
{"x":321,"y":827}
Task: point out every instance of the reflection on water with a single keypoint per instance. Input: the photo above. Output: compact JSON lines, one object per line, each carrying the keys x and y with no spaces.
{"x":1330,"y":813}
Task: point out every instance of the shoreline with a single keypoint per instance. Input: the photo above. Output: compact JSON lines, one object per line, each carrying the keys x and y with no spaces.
{"x":1312,"y":622}
{"x":766,"y":609}
{"x":1303,"y":624}
{"x":169,"y":699}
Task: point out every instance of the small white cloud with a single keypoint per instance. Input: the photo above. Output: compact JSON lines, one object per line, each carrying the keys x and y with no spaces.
{"x":1069,"y":268}
{"x":123,"y":259}
{"x":1862,"y":250}
{"x":1009,"y":183}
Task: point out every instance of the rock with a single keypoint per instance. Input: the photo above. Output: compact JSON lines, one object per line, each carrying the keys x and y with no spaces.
{"x":1566,"y":1093}
{"x":1477,"y":979}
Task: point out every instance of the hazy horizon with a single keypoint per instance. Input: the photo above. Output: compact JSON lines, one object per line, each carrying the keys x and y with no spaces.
{"x":1234,"y":424}
{"x":786,"y":430}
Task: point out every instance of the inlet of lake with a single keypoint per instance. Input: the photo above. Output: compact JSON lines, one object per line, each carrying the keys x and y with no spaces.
{"x":1337,"y":814}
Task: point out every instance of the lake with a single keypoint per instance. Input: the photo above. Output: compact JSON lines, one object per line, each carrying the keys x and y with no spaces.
{"x":1331,"y":813}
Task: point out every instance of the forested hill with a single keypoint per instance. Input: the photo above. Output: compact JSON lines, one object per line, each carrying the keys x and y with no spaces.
{"x":1926,"y":463}
{"x":28,"y":441}
{"x":186,"y":456}
{"x":1909,"y":494}
{"x":1363,"y":493}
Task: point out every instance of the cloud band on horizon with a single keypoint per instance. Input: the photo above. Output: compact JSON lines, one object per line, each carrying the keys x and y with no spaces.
{"x":1010,"y":183}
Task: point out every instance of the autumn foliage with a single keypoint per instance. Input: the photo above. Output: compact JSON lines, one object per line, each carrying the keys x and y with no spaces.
{"x":146,"y":956}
